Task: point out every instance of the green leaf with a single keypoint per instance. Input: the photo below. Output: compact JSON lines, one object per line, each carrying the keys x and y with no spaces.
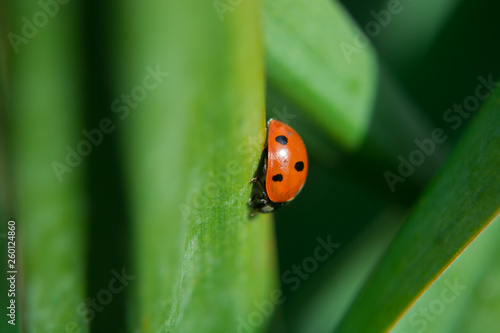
{"x":470,"y":285}
{"x":461,"y":202}
{"x":192,"y":146}
{"x":44,"y":119}
{"x":311,"y":57}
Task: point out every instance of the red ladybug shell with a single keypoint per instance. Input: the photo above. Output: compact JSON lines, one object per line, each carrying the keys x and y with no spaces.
{"x":287,"y":163}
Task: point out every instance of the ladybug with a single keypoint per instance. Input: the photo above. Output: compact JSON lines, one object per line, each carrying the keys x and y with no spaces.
{"x":282,"y":170}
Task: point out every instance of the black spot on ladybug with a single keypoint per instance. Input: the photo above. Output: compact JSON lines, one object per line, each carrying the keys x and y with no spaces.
{"x":299,"y":166}
{"x":278,"y":177}
{"x":281,"y":139}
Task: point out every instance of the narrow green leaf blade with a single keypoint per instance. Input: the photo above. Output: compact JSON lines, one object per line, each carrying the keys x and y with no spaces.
{"x":192,"y":147}
{"x":461,"y":202}
{"x":466,"y":297}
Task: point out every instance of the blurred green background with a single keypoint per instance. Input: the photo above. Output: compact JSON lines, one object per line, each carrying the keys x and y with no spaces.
{"x":129,"y":132}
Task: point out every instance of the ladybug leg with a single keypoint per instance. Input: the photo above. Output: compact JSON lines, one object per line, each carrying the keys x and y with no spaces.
{"x":250,"y":201}
{"x":258,"y":181}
